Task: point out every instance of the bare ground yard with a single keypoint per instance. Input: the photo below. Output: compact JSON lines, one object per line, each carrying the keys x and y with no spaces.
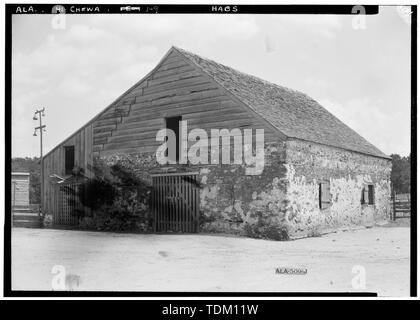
{"x":181,"y":262}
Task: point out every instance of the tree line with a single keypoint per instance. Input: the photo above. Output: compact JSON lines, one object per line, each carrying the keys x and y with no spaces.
{"x":401,"y":173}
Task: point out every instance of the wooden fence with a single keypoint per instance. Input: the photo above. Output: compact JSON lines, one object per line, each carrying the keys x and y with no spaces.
{"x":401,"y":206}
{"x":175,"y":202}
{"x":66,"y":204}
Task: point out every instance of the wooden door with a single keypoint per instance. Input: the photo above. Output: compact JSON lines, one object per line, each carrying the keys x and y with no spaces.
{"x":175,"y":202}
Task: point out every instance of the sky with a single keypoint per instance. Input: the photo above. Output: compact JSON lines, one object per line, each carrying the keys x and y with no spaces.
{"x":361,"y":75}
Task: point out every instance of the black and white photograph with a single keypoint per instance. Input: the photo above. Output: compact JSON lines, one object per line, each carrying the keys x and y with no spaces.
{"x":210,"y":150}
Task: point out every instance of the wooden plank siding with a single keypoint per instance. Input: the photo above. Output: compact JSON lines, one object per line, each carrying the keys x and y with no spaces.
{"x":20,"y":189}
{"x":176,"y":87}
{"x":54,"y":162}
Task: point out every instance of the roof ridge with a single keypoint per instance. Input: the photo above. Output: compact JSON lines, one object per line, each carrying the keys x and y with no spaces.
{"x":239,"y":71}
{"x":182,"y":51}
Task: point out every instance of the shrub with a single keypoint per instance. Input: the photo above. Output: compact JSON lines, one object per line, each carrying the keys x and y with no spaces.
{"x":47,"y":220}
{"x":249,"y":230}
{"x":96,"y":192}
{"x":117,"y":199}
{"x":88,"y":223}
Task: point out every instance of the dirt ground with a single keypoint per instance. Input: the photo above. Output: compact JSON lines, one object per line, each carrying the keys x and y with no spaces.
{"x":215,"y":263}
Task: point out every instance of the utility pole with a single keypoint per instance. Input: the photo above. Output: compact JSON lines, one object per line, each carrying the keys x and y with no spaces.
{"x":39,"y":114}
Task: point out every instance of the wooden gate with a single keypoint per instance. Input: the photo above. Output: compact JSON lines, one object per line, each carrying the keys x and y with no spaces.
{"x":175,"y":202}
{"x":401,"y":206}
{"x":66,"y":205}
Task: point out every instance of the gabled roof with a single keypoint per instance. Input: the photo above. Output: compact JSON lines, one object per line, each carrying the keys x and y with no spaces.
{"x":291,"y":112}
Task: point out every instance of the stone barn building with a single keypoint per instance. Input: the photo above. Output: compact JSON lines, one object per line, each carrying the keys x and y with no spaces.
{"x":318,"y":174}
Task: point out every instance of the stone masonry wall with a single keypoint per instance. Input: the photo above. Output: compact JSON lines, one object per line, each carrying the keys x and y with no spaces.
{"x":282,"y":201}
{"x":310,"y":163}
{"x":254,"y":205}
{"x":230,"y":200}
{"x":140,"y":164}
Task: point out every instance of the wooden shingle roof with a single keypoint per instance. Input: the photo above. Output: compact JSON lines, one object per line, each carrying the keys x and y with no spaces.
{"x":293,"y":113}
